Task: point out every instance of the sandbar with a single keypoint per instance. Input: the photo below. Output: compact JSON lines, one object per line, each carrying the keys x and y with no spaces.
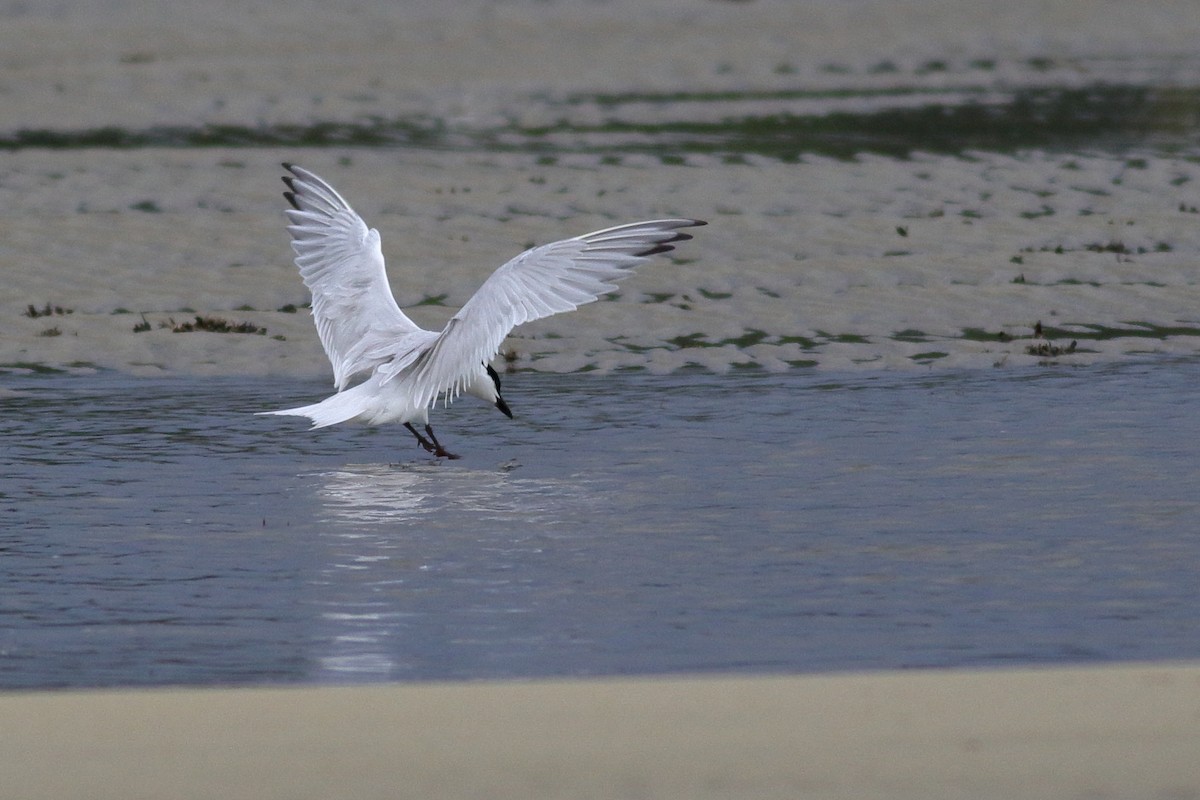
{"x":1125,"y":731}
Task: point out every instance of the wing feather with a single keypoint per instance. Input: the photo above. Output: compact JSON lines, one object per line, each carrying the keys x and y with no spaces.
{"x":341,"y":262}
{"x":540,"y":282}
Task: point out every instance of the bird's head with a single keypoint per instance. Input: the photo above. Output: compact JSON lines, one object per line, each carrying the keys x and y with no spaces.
{"x":499,"y":401}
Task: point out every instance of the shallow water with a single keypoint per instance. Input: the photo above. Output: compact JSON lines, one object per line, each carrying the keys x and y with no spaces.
{"x":155,"y":532}
{"x":844,"y":445}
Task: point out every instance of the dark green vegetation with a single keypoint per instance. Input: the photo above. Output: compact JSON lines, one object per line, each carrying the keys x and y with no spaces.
{"x":1045,"y":340}
{"x":205,"y":324}
{"x":673,"y":125}
{"x":217,"y":325}
{"x":33,"y":312}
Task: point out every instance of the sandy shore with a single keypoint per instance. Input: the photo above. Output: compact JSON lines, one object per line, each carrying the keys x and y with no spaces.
{"x":799,"y":267}
{"x":1119,"y":731}
{"x":73,"y":64}
{"x":937,"y":260}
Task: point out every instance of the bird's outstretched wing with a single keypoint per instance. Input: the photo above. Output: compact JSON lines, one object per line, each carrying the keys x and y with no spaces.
{"x":542,"y":281}
{"x":342,"y":265}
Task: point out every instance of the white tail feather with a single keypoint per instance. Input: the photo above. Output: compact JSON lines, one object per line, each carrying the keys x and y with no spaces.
{"x":341,"y":407}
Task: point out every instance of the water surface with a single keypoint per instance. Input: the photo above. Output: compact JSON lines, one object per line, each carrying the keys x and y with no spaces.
{"x":923,"y":393}
{"x":155,"y":532}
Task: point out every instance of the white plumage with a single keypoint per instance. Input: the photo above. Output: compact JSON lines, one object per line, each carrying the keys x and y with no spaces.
{"x":403,"y":368}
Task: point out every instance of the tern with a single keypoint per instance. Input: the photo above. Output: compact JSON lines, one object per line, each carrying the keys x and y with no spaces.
{"x":385,"y":367}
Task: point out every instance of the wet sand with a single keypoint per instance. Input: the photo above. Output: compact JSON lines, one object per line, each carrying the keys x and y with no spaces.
{"x":1126,"y":732}
{"x":143,"y":188}
{"x":807,"y":270}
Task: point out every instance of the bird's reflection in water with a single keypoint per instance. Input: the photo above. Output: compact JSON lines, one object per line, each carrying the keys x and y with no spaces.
{"x":375,"y":494}
{"x":405,"y":543}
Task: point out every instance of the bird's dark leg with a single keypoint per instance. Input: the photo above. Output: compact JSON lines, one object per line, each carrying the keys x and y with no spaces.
{"x":431,"y":445}
{"x":440,"y":451}
{"x":421,"y":440}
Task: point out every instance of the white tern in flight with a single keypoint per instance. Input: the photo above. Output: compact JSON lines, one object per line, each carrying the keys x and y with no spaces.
{"x":403,"y":369}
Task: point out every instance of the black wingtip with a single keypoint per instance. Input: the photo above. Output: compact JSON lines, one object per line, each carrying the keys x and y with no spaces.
{"x":287,"y":165}
{"x":667,"y":245}
{"x":291,"y":198}
{"x":656,"y":250}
